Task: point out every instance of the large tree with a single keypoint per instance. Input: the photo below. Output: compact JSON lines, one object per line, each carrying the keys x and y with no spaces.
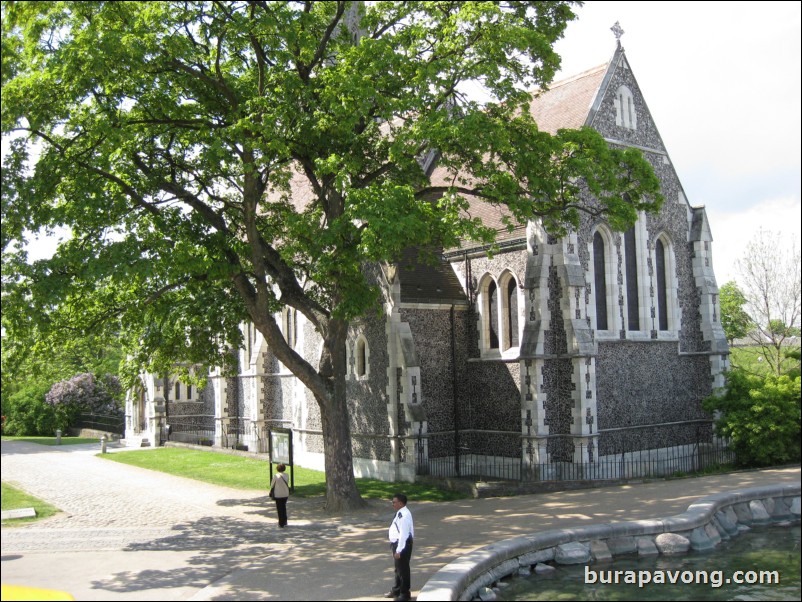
{"x":217,"y":161}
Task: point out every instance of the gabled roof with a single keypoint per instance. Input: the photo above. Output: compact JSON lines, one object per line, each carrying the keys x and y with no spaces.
{"x":428,"y":283}
{"x":568,"y":103}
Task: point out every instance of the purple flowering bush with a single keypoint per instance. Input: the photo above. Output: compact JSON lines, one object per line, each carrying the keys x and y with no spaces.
{"x":84,"y":393}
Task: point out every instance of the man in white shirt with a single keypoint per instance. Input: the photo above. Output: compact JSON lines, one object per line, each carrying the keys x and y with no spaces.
{"x":401,"y":534}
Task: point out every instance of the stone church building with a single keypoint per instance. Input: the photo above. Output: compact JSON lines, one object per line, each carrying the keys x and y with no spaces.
{"x":554,"y":353}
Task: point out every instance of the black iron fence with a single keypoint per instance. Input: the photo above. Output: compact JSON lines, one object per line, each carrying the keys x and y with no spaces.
{"x":686,"y":458}
{"x":234,"y":435}
{"x":635,"y":452}
{"x":478,"y":454}
{"x":190,"y":434}
{"x":611,"y":454}
{"x":112,"y":423}
{"x":199,"y":430}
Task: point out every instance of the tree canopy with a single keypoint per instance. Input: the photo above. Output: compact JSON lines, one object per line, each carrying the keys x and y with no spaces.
{"x":214,"y":162}
{"x":734,"y":319}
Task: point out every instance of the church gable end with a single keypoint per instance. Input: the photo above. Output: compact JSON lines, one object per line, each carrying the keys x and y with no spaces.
{"x":620,"y":113}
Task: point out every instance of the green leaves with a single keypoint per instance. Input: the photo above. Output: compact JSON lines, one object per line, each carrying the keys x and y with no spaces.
{"x":761,"y":415}
{"x":215,"y":161}
{"x":734,"y":319}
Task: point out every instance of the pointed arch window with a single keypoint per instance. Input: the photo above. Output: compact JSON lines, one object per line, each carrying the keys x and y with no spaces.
{"x":600,"y":281}
{"x":632,"y":288}
{"x":500,"y":322}
{"x":511,"y":307}
{"x":492,"y":313}
{"x":665,"y":302}
{"x":662,"y":285}
{"x":361,"y":357}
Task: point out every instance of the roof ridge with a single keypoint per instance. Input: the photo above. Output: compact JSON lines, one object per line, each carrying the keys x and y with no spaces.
{"x":573,"y":78}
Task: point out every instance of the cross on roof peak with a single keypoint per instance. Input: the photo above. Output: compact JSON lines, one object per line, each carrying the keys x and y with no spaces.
{"x":618,"y":32}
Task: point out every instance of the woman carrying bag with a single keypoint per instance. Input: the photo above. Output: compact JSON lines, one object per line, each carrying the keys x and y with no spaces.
{"x":280,"y":491}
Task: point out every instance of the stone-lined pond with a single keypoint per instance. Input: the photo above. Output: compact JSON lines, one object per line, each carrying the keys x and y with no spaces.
{"x":767,"y":551}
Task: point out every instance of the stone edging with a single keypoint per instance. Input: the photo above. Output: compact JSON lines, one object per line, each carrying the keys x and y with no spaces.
{"x":703,"y":526}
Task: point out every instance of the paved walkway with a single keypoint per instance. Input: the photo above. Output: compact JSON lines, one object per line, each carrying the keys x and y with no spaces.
{"x":131,"y":534}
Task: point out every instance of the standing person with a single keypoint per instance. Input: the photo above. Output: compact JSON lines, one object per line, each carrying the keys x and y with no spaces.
{"x":281,"y":491}
{"x":401,"y":534}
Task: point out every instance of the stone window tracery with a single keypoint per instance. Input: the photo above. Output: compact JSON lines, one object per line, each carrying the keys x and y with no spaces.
{"x":625,"y":115}
{"x":665,"y":285}
{"x":499,"y":308}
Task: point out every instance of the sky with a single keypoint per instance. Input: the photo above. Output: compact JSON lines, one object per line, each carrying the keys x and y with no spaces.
{"x":722,"y":83}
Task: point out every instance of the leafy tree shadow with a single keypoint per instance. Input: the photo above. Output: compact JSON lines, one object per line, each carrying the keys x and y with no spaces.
{"x":266,"y":557}
{"x":220,"y":545}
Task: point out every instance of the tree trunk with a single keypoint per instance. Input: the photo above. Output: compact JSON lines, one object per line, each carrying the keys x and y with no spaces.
{"x":342,"y":494}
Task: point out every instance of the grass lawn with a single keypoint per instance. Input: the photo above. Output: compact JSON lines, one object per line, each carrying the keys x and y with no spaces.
{"x":751,"y":360}
{"x":52,"y":440}
{"x":247,"y":473}
{"x":13,"y":498}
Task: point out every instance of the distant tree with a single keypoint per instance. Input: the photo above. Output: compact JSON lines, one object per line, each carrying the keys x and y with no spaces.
{"x":218,"y":161}
{"x":769,"y":276}
{"x":734,"y":319}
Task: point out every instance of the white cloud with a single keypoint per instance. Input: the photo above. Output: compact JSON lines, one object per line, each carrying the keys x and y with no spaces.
{"x":722,"y":82}
{"x":735,"y":230}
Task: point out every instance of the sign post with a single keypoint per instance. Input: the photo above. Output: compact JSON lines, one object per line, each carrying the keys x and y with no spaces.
{"x":280,"y":448}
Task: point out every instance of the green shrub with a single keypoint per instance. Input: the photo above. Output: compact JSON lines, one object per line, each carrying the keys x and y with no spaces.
{"x":761,"y":417}
{"x":27,"y":412}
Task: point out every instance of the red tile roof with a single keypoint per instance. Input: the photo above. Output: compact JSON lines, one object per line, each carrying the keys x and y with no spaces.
{"x":567,"y":103}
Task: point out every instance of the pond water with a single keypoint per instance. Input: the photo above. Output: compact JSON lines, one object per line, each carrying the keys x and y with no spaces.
{"x":767,"y":554}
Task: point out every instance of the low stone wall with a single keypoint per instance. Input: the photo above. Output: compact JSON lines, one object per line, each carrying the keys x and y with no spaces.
{"x":93,"y":433}
{"x":704,"y":525}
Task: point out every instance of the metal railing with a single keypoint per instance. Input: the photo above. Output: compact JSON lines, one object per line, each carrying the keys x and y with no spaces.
{"x":626,"y":453}
{"x":191,"y":434}
{"x":113,"y":423}
{"x":234,"y":434}
{"x":480,"y":454}
{"x":685,"y":458}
